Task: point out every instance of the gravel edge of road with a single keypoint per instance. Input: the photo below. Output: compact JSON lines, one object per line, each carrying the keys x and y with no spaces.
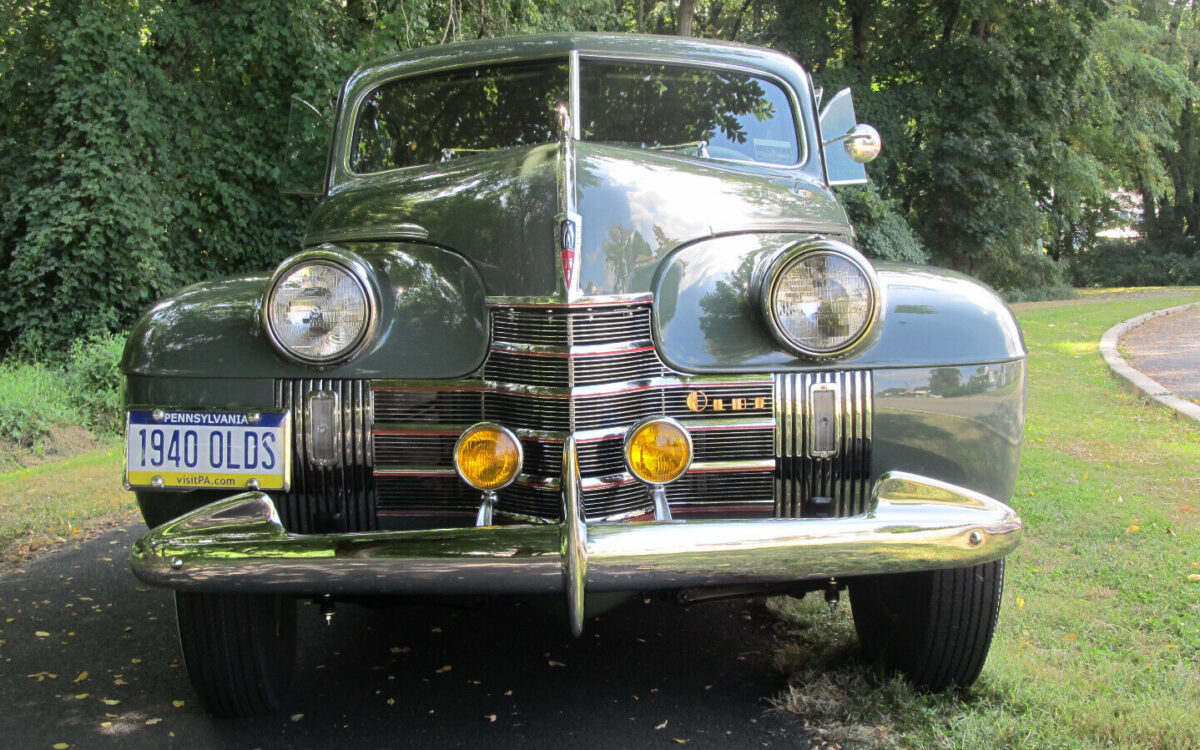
{"x":1134,"y":379}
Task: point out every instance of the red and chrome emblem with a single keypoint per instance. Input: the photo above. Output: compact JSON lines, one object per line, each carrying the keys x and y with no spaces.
{"x":568,"y":243}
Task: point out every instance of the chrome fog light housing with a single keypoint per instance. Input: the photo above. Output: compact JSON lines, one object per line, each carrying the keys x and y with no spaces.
{"x":320,"y":307}
{"x":821,"y":299}
{"x":488,"y":456}
{"x":658,"y":450}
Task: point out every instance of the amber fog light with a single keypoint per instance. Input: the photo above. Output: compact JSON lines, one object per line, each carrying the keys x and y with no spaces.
{"x":488,"y":457}
{"x":658,"y":450}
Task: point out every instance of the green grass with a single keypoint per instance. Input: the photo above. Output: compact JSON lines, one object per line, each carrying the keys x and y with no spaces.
{"x":1098,"y":643}
{"x":32,"y":398}
{"x":60,"y":501}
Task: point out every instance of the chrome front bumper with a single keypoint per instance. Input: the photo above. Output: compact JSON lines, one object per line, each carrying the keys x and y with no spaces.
{"x":912,"y":523}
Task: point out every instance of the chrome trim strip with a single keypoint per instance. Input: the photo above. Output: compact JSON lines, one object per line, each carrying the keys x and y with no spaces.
{"x":748,"y":465}
{"x":414,"y":471}
{"x":574,"y":93}
{"x":552,"y":302}
{"x":912,"y":523}
{"x":573,"y":548}
{"x":539,"y":483}
{"x":600,"y":389}
{"x":419,"y":429}
{"x":400,"y":232}
{"x":730,"y":423}
{"x":592,"y":350}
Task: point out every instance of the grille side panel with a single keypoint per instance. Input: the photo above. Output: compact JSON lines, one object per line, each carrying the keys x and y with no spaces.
{"x":333,"y":498}
{"x":844,"y":478}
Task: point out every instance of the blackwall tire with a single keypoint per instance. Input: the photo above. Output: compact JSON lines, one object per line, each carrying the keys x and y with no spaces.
{"x":239,"y":649}
{"x":933,"y":627}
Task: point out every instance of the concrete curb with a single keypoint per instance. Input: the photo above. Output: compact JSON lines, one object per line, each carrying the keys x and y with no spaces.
{"x":1134,"y":379}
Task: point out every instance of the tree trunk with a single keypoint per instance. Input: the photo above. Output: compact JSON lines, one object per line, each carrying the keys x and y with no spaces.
{"x":687,"y":13}
{"x":951,"y":20}
{"x":860,"y":18}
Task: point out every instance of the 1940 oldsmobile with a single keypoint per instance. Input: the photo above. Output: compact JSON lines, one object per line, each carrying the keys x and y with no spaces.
{"x":578,"y":316}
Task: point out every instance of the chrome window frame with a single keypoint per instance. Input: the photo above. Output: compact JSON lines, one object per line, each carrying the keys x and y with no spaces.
{"x":575,"y":59}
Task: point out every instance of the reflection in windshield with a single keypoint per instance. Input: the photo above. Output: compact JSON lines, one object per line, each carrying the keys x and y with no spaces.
{"x":700,"y":111}
{"x":697,"y":111}
{"x":427,"y":119}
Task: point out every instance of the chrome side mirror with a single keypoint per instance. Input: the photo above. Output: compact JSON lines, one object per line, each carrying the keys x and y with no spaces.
{"x":860,"y":143}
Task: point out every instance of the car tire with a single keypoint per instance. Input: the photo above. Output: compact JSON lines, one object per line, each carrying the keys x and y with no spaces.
{"x":239,"y":649}
{"x":934,"y":627}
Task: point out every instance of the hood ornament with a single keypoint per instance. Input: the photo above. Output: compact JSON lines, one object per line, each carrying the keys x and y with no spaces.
{"x":568,"y":223}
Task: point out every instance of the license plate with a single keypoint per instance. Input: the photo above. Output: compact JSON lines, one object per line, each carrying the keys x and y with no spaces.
{"x":207,"y":449}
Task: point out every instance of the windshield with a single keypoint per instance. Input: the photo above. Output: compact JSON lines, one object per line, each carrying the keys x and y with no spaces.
{"x":713,"y":113}
{"x":427,"y":119}
{"x":702,"y":112}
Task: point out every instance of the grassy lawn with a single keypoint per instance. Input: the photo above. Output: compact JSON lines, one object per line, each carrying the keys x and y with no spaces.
{"x":1099,"y":637}
{"x":56,"y":502}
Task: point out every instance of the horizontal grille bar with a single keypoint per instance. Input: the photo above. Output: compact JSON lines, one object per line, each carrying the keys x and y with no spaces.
{"x":570,"y":326}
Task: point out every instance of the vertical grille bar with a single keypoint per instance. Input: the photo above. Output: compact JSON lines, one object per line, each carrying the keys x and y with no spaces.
{"x":844,"y":478}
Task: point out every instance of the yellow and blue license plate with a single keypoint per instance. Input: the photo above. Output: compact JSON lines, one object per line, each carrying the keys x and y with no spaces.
{"x":229,"y":450}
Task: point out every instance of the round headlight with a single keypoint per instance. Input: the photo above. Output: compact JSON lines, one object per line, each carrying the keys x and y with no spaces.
{"x":823,"y":299}
{"x":319,"y":309}
{"x":488,"y":456}
{"x":658,"y":450}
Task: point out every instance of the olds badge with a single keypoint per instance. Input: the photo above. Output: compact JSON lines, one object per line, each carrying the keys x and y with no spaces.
{"x":699,"y":401}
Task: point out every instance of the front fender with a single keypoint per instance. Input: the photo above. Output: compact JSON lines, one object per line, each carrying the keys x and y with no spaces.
{"x":432,"y":324}
{"x":709,"y":316}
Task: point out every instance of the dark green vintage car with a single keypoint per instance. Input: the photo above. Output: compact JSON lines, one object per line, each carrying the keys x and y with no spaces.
{"x":578,"y":316}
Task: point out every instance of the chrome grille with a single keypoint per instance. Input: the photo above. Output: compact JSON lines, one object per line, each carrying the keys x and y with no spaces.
{"x":555,"y":370}
{"x":340,"y":497}
{"x":834,"y":486}
{"x":561,"y":326}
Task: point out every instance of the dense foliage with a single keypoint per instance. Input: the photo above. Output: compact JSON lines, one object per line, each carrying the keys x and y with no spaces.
{"x":141,"y":142}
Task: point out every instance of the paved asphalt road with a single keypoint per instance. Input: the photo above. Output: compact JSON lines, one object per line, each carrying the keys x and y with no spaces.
{"x":88,"y":657}
{"x":1167,"y":349}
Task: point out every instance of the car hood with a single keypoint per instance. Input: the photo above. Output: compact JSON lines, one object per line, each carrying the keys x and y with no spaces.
{"x":498,"y":210}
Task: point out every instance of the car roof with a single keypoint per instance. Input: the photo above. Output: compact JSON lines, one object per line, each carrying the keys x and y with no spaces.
{"x":623,"y":46}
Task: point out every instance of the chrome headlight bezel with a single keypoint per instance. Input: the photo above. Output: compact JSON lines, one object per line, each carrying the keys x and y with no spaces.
{"x":800,"y":253}
{"x":359,"y":272}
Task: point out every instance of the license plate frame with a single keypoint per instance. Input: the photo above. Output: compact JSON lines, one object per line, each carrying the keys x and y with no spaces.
{"x":173,"y":449}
